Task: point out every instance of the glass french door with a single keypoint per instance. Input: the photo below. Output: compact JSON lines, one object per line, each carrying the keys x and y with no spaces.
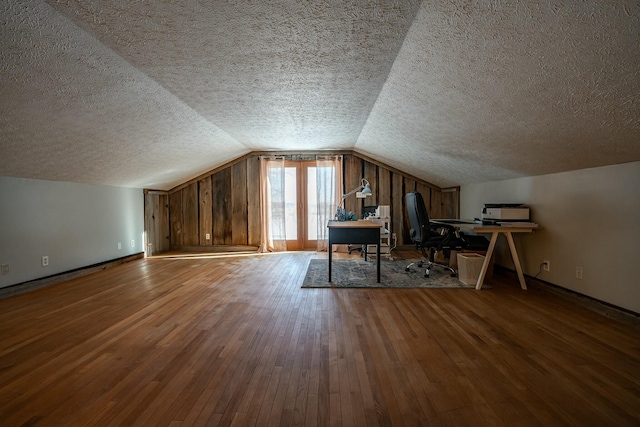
{"x":301,"y":211}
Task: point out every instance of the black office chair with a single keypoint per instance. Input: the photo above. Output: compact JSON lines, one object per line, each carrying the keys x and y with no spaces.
{"x":428,"y":236}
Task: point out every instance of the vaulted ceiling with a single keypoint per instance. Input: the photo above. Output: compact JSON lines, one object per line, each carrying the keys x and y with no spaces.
{"x":152,"y":93}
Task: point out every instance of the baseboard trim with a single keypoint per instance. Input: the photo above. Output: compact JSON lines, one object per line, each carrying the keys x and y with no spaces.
{"x":214,"y":248}
{"x":602,"y":307}
{"x":32,"y":285}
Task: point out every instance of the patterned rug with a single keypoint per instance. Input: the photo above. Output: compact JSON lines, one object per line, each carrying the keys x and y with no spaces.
{"x":358,"y":273}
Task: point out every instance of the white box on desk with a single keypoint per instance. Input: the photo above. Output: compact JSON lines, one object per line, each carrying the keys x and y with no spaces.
{"x":506,"y":213}
{"x":383,"y":211}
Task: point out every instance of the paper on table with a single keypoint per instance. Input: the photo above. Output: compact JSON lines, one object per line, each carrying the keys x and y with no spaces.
{"x":518,"y":224}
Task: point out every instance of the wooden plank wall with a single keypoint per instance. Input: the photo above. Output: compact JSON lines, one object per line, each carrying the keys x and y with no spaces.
{"x":217,"y":210}
{"x":389,"y":187}
{"x":222,"y":207}
{"x":156,"y":222}
{"x":253,"y":201}
{"x":225,"y":206}
{"x":450,"y":203}
{"x":190,"y":234}
{"x":351,"y":179}
{"x":205,"y":211}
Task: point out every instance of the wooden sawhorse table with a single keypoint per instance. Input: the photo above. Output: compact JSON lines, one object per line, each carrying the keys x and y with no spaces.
{"x":508,"y":232}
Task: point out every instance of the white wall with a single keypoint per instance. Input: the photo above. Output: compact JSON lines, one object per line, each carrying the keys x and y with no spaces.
{"x":590,"y":218}
{"x":75,"y":225}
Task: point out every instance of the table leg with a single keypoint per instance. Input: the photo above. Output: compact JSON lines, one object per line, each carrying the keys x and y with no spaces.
{"x":330,"y":252}
{"x":516,"y":261}
{"x":378,"y":260}
{"x":487,"y":259}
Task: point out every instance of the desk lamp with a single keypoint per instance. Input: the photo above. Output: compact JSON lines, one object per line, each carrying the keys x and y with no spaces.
{"x":343,"y":215}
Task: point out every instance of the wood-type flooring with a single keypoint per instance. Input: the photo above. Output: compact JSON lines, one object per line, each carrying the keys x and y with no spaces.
{"x":234,"y":340}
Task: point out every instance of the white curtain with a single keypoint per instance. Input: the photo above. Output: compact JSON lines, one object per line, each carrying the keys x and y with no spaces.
{"x":272,"y":204}
{"x":329,"y":185}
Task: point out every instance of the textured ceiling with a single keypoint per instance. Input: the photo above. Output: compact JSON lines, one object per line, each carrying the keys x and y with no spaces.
{"x":150,"y":94}
{"x":485,"y":91}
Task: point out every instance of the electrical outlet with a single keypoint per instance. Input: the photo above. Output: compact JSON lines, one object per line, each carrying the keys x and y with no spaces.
{"x":119,"y":245}
{"x":546,"y":265}
{"x":4,"y":269}
{"x":45,"y":261}
{"x":207,"y":236}
{"x":579,"y":273}
{"x":133,"y":243}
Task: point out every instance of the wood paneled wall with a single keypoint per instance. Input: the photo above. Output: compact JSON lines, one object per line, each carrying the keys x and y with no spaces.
{"x":156,"y":222}
{"x":222,"y":209}
{"x":225,"y":205}
{"x":389,"y":187}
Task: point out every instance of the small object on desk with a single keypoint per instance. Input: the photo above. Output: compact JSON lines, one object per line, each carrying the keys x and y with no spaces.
{"x":451,"y":221}
{"x":505,"y":211}
{"x":485,"y":221}
{"x":518,"y":224}
{"x":383,"y":211}
{"x":345,"y":215}
{"x":502,"y":205}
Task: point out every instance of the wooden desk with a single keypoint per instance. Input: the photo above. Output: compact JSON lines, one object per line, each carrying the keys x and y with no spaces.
{"x":508,"y":232}
{"x":494,"y":230}
{"x":360,"y":232}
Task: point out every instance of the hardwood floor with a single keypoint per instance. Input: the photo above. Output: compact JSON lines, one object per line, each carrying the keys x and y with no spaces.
{"x":236,"y":341}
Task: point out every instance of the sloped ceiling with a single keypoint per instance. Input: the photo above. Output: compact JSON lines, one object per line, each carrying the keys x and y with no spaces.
{"x":150,"y":94}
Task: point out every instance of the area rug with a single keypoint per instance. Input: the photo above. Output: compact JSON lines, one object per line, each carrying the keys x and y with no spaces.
{"x":358,"y":273}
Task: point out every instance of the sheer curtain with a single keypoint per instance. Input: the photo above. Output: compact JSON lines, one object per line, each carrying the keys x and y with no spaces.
{"x":272,"y":204}
{"x":329,"y":185}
